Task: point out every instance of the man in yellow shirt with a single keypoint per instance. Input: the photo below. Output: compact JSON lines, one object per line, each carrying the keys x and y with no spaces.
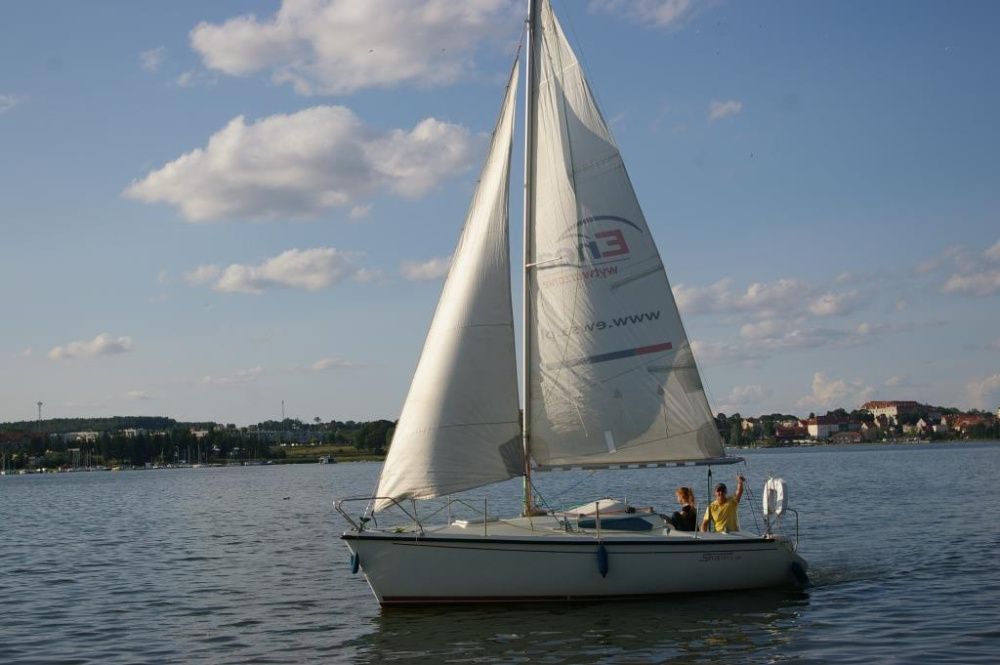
{"x":724,"y":511}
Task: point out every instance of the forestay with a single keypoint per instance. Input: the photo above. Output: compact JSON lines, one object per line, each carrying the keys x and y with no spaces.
{"x":612,"y":377}
{"x":459,"y":427}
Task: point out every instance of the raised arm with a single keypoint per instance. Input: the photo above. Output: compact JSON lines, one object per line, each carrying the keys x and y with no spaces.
{"x":739,"y":487}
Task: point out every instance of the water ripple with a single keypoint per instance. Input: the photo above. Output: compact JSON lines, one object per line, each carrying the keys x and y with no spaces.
{"x":215,"y":566}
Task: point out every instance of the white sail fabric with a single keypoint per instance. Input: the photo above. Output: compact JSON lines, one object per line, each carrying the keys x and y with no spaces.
{"x":612,"y":377}
{"x":460,"y":426}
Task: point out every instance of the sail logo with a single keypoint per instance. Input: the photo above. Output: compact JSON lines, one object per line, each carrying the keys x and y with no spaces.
{"x":591,"y":249}
{"x":608,"y":245}
{"x":605,"y":245}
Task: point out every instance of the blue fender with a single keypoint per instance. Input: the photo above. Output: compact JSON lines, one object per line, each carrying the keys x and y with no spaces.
{"x":799,"y":574}
{"x":602,"y":560}
{"x":355,"y":563}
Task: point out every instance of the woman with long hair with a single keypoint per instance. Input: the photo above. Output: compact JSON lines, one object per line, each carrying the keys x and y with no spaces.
{"x":686,"y":518}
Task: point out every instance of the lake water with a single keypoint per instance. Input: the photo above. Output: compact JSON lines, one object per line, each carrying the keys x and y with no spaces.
{"x":243,"y":565}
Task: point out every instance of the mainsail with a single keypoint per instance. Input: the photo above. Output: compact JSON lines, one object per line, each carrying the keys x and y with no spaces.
{"x":612,"y":379}
{"x":460,"y":425}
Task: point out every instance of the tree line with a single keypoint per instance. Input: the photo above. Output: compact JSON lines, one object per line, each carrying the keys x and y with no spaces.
{"x":138,"y":441}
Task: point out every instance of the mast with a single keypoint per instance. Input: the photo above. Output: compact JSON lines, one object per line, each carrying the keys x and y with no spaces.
{"x":530,"y":87}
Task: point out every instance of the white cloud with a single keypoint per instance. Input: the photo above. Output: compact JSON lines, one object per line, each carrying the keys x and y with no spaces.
{"x":340,"y":46}
{"x":751,"y":394}
{"x":831,"y":304}
{"x":138,"y":395}
{"x":196,"y":78}
{"x":360,"y":212}
{"x":766,"y":338}
{"x":721,"y":353}
{"x":903,"y":381}
{"x":325,"y":364}
{"x":830,"y":393}
{"x":26,"y":353}
{"x":367,"y":275}
{"x":102,"y":345}
{"x":867,"y":330}
{"x":7,"y":102}
{"x":425,"y":270}
{"x":241,"y":377}
{"x":301,"y":164}
{"x":971,"y":273}
{"x":993,"y":253}
{"x":153,"y":58}
{"x":741,"y":397}
{"x":762,"y":329}
{"x":766,"y":299}
{"x":309,"y":270}
{"x":984,"y":393}
{"x":952,"y":254}
{"x":808,"y":337}
{"x":782,"y":293}
{"x":720,"y":110}
{"x":984,"y":283}
{"x":716,"y":297}
{"x":202,"y":274}
{"x":662,"y":13}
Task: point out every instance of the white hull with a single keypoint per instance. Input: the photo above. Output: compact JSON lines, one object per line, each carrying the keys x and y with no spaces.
{"x":513,"y":563}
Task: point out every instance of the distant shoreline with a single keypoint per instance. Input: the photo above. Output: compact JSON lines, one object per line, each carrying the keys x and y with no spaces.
{"x":348,"y":459}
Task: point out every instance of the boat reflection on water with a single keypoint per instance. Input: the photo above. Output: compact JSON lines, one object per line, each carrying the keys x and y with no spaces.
{"x":718,"y":627}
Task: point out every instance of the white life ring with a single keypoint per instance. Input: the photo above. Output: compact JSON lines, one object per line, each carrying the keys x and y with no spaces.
{"x":775,"y":497}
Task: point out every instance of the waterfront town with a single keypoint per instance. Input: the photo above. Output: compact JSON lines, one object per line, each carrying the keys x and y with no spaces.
{"x":873,"y":421}
{"x":158,"y":442}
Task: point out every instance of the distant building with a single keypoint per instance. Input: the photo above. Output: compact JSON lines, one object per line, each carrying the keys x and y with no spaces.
{"x":86,"y":437}
{"x":822,"y":427}
{"x":891,"y":409}
{"x":966,"y":421}
{"x":792,"y":432}
{"x":846,"y":437}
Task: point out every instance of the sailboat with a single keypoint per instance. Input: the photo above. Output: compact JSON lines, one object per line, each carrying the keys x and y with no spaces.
{"x":609,"y":381}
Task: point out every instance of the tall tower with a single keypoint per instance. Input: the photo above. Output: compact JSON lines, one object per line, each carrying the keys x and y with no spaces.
{"x":38,"y":426}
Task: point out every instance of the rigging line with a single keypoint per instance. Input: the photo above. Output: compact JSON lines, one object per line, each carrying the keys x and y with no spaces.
{"x":639,"y":368}
{"x":580,"y":51}
{"x":520,"y":40}
{"x":753,"y":510}
{"x":563,"y":493}
{"x":542,"y":302}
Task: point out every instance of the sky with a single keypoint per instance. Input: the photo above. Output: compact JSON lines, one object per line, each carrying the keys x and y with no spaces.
{"x":208,"y":209}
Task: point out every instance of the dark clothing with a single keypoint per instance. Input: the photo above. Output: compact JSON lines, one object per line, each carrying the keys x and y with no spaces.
{"x":684,"y":519}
